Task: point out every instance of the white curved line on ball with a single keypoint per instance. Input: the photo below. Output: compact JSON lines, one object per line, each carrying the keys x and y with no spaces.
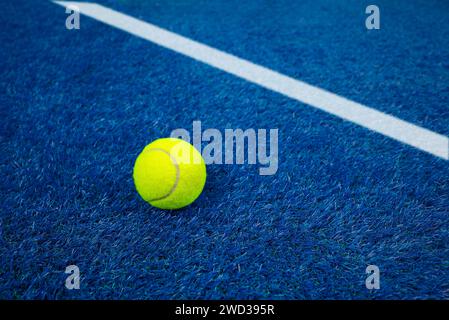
{"x":175,"y":163}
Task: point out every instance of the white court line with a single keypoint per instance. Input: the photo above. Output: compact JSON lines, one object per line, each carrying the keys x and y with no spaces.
{"x":364,"y":116}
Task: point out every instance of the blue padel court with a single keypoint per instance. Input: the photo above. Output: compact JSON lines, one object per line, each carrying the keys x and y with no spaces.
{"x":362,"y":172}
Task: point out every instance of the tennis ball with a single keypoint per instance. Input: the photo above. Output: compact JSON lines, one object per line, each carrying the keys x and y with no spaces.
{"x":169,"y":173}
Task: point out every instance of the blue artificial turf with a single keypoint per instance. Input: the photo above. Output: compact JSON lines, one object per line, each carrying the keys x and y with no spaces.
{"x":77,"y":107}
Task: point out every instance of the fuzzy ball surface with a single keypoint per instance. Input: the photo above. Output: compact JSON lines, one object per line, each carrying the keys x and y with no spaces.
{"x":169,"y":173}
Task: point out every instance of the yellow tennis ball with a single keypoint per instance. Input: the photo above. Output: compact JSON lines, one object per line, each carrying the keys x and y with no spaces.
{"x":169,"y":173}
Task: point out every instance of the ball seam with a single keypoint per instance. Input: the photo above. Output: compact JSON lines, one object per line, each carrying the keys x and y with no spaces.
{"x":175,"y":163}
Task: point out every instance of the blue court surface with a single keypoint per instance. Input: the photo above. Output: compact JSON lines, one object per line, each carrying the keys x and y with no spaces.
{"x":78,"y":106}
